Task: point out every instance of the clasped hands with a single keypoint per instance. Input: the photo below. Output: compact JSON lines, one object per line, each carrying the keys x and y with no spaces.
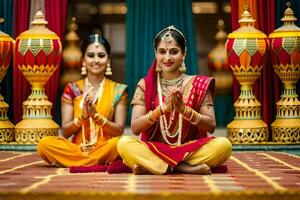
{"x":88,"y":106}
{"x":174,"y":101}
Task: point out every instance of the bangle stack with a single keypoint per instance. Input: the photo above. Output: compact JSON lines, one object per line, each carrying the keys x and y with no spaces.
{"x":79,"y":121}
{"x":99,"y":119}
{"x":153,"y":115}
{"x":191,"y":115}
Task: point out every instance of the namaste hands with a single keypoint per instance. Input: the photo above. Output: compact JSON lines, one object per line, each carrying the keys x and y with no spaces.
{"x":89,"y":109}
{"x":174,"y":101}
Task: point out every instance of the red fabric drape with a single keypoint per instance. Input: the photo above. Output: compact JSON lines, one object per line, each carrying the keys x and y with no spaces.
{"x":55,"y":13}
{"x":267,"y":88}
{"x":20,"y":84}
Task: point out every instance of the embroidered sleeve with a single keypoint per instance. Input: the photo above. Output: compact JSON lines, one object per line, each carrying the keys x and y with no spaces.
{"x":139,"y":95}
{"x":70,"y":92}
{"x":208,"y":101}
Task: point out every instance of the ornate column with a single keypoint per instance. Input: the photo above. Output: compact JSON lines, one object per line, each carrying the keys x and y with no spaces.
{"x":285,"y":53}
{"x":38,"y":54}
{"x":6,"y":49}
{"x":246,"y":48}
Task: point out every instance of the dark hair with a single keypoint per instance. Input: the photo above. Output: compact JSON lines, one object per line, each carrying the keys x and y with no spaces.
{"x":91,"y":39}
{"x":178,"y":37}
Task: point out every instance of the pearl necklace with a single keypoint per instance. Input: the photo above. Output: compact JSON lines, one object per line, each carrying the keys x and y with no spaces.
{"x":164,"y":127}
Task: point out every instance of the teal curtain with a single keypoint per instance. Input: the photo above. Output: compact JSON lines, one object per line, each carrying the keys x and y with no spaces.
{"x":144,"y":19}
{"x":6,"y":12}
{"x":224,"y":109}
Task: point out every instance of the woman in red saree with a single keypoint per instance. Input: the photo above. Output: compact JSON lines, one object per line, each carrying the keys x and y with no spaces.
{"x":173,"y":112}
{"x":93,"y":113}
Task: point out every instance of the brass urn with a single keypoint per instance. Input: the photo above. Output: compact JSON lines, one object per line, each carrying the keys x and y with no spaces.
{"x":72,"y":56}
{"x":218,"y":65}
{"x":285,"y":53}
{"x":38,"y":54}
{"x":246,"y":50}
{"x":6,"y":50}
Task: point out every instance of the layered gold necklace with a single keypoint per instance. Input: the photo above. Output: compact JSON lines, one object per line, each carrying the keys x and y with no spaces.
{"x":164,"y":125}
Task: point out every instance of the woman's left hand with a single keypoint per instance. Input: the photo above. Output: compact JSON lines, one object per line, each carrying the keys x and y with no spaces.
{"x":178,"y":101}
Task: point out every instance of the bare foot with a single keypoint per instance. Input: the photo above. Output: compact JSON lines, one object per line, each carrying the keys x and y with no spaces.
{"x":138,"y":169}
{"x":202,"y":169}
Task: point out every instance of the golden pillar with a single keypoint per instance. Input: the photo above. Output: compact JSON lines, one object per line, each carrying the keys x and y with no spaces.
{"x":6,"y":50}
{"x":246,"y":50}
{"x":285,"y":53}
{"x":38,"y":53}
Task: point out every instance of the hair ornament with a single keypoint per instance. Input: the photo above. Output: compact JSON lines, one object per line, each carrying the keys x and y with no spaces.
{"x":167,"y":36}
{"x":96,"y":40}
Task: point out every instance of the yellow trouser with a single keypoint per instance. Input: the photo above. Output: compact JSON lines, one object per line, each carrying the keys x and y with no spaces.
{"x":61,"y":152}
{"x":133,"y":151}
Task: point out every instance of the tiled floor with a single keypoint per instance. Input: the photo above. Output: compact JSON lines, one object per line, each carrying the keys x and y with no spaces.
{"x":251,"y":175}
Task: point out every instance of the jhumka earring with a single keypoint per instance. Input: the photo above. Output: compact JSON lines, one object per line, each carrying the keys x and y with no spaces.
{"x":158,"y":68}
{"x":182,"y":68}
{"x":108,"y":70}
{"x":83,"y":69}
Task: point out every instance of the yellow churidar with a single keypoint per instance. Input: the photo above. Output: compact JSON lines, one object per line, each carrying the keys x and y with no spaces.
{"x":58,"y":151}
{"x":133,"y":151}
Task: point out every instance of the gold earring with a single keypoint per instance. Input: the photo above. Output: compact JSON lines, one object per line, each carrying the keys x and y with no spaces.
{"x":158,"y":68}
{"x":108,"y":70}
{"x":182,"y":68}
{"x":83,"y":69}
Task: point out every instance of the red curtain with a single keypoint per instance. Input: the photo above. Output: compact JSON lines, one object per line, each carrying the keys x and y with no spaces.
{"x":20,"y":84}
{"x":267,"y":88}
{"x":55,"y":12}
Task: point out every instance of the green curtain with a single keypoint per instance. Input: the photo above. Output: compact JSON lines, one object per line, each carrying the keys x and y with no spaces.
{"x":144,"y":19}
{"x":224,"y":109}
{"x":6,"y":12}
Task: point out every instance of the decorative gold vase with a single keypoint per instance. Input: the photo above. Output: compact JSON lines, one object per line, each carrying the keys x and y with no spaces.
{"x":72,"y":57}
{"x":6,"y":49}
{"x":38,"y":53}
{"x":285,"y":53}
{"x":246,"y":48}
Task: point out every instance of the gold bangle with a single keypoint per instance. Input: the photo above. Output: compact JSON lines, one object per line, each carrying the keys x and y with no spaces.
{"x":99,"y":119}
{"x":79,"y":121}
{"x":148,"y":116}
{"x":198,"y":119}
{"x":76,"y":122}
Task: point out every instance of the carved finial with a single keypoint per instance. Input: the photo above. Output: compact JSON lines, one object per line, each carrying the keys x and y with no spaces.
{"x":221,"y":34}
{"x":246,"y":18}
{"x":73,"y":25}
{"x":39,"y":18}
{"x":289,"y":14}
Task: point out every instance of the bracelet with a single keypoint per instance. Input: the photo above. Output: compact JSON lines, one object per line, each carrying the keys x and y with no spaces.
{"x":197,"y":120}
{"x":79,"y":121}
{"x":191,"y":115}
{"x":149,"y":119}
{"x":100,"y":119}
